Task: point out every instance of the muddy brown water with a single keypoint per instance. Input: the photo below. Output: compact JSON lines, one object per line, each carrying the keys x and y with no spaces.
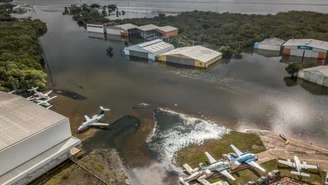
{"x":251,"y":92}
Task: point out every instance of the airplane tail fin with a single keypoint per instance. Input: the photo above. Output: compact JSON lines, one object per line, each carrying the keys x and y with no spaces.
{"x":33,"y":89}
{"x":102,"y":109}
{"x":300,"y":174}
{"x":189,"y":169}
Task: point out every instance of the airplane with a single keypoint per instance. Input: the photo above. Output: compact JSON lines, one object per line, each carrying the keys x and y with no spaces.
{"x":45,"y":103}
{"x":199,"y":175}
{"x":38,"y":95}
{"x":298,"y":165}
{"x":239,"y":158}
{"x":220,"y":166}
{"x":93,"y":121}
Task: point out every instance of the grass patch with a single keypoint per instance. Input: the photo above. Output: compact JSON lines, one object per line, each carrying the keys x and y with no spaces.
{"x":194,"y":154}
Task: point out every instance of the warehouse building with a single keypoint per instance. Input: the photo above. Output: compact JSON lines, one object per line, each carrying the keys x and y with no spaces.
{"x":167,"y":31}
{"x":148,"y":50}
{"x":197,"y":56}
{"x":124,"y":30}
{"x":317,"y":75}
{"x":310,"y":48}
{"x":32,"y":140}
{"x":270,"y":44}
{"x":149,"y":32}
{"x":95,"y":28}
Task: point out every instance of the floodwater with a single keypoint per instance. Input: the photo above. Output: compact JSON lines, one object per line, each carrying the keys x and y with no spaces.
{"x":251,"y":92}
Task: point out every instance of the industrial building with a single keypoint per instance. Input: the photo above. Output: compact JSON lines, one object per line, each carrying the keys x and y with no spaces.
{"x":310,"y":48}
{"x":123,"y":30}
{"x":149,"y":50}
{"x":167,"y":31}
{"x":32,"y":140}
{"x":317,"y":75}
{"x":270,"y":44}
{"x":197,"y":56}
{"x":149,"y":32}
{"x":96,"y":28}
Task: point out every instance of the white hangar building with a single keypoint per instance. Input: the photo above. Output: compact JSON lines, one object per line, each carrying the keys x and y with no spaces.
{"x":32,"y":140}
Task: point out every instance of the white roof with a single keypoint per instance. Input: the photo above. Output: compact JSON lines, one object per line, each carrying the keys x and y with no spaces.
{"x":307,"y":42}
{"x":272,"y":41}
{"x":167,"y":28}
{"x":148,"y":27}
{"x":20,"y":119}
{"x":199,"y":53}
{"x":127,"y":26}
{"x":159,"y":46}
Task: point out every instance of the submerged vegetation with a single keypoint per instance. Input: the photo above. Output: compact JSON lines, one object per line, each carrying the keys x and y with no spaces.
{"x":92,"y":14}
{"x":20,"y":52}
{"x":232,"y":33}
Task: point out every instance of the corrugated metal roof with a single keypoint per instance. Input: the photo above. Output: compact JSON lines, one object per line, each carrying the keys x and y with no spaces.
{"x":307,"y":42}
{"x":167,"y":28}
{"x":148,"y":27}
{"x":127,"y":26}
{"x":153,"y":46}
{"x":19,"y":119}
{"x":199,"y":53}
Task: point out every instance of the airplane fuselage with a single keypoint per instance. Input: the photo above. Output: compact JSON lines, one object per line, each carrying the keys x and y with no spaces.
{"x":245,"y":158}
{"x":88,"y":123}
{"x":218,"y":166}
{"x":297,"y":163}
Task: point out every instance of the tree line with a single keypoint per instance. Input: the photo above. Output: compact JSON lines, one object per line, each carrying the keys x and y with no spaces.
{"x":21,"y":62}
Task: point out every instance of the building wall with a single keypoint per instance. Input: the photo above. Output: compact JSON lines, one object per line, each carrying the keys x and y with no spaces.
{"x":169,"y":34}
{"x":23,"y":151}
{"x":314,"y":53}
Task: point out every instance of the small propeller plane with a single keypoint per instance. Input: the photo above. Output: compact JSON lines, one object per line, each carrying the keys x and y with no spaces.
{"x":38,"y":95}
{"x":239,"y":158}
{"x":45,"y":103}
{"x":199,"y":175}
{"x":298,"y":165}
{"x":94,"y":120}
{"x":220,"y":166}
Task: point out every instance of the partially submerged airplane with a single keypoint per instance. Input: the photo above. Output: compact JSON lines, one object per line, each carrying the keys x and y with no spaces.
{"x":239,"y":158}
{"x":220,"y":166}
{"x":199,"y":175}
{"x":38,"y":95}
{"x":299,"y":166}
{"x":94,"y":120}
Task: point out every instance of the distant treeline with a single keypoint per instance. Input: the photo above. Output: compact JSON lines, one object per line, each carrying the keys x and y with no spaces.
{"x":92,"y":14}
{"x":5,"y":1}
{"x":233,"y":33}
{"x":20,"y":52}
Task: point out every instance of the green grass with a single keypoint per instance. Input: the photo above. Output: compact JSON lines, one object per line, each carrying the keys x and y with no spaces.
{"x":194,"y":154}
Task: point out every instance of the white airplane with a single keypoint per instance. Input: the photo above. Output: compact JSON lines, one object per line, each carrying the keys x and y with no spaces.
{"x":220,"y":166}
{"x":93,"y":121}
{"x":45,"y":103}
{"x":298,"y":165}
{"x":239,"y":158}
{"x":38,"y":95}
{"x":199,"y":175}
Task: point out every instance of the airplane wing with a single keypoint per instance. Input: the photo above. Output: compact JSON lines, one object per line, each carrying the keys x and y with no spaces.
{"x":227,"y":174}
{"x":210,"y":158}
{"x":203,"y":181}
{"x":255,"y":165}
{"x":236,"y":150}
{"x":308,"y":166}
{"x":48,"y":93}
{"x":86,"y":118}
{"x":287,"y":163}
{"x":188,"y":168}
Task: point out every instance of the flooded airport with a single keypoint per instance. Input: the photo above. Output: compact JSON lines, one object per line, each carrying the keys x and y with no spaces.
{"x":158,"y":109}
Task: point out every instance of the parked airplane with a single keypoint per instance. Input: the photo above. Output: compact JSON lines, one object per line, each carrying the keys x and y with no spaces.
{"x":239,"y":158}
{"x":38,"y":95}
{"x":45,"y":103}
{"x":93,"y":121}
{"x":220,"y":166}
{"x":199,"y":175}
{"x":298,"y":165}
